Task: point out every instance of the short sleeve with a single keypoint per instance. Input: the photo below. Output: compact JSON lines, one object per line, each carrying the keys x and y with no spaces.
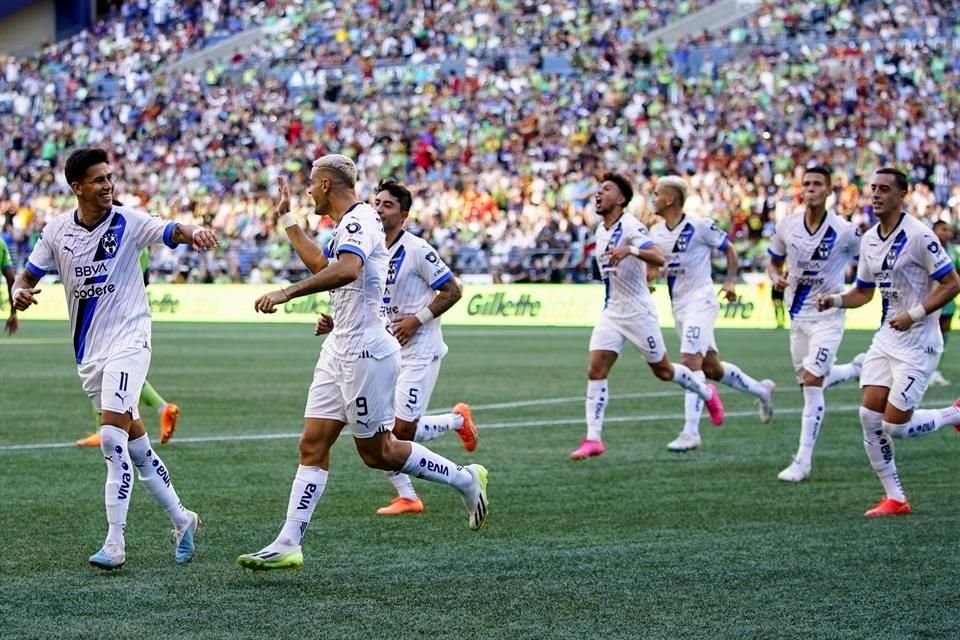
{"x":865,"y":279}
{"x":777,"y":248}
{"x":42,"y":259}
{"x":148,"y":230}
{"x":933,"y":256}
{"x":640,"y":237}
{"x":431,"y":267}
{"x":356,"y":235}
{"x":712,"y":235}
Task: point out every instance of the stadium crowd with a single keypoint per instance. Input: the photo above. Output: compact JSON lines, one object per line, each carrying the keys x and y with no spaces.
{"x":502,"y":155}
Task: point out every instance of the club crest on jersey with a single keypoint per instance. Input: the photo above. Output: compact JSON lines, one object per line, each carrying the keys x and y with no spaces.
{"x":826,"y":245}
{"x":615,"y":237}
{"x":683,"y":240}
{"x":898,"y":244}
{"x":109,"y":243}
{"x":395,"y":263}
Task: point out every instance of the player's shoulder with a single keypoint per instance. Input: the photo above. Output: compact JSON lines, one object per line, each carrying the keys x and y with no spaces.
{"x":631,"y":222}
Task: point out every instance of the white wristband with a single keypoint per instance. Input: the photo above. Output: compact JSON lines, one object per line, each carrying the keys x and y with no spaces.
{"x":836,"y":301}
{"x":635,"y":252}
{"x":917,"y":313}
{"x":424,"y":315}
{"x":287,"y":220}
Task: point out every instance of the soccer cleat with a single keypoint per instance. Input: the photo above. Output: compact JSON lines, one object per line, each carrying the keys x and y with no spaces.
{"x":399,"y":506}
{"x":269,"y":559}
{"x":588,"y":449}
{"x":765,"y":404}
{"x":168,"y":421}
{"x":475,"y":498}
{"x":109,"y":558}
{"x":184,"y":546}
{"x":796,"y":472}
{"x":936,"y":378}
{"x":468,"y":432}
{"x":684,"y":442}
{"x":957,"y":405}
{"x":714,"y":406}
{"x":92,"y":440}
{"x":889,"y":507}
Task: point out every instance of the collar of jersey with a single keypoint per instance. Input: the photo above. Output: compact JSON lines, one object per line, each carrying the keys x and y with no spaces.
{"x":826,"y":213}
{"x":622,"y":213}
{"x":76,"y":220}
{"x":895,"y":227}
{"x":683,"y":217}
{"x":397,"y":239}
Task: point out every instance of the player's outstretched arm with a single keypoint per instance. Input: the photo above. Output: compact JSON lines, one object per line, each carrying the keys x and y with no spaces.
{"x":311,"y":255}
{"x":733,"y":268}
{"x":346,"y":270}
{"x":24,"y":290}
{"x":199,"y":238}
{"x":947,"y":288}
{"x":851,"y":299}
{"x":448,"y":295}
{"x":12,"y":322}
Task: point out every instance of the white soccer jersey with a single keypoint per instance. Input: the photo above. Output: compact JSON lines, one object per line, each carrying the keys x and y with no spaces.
{"x":626,"y":283}
{"x":687,"y":249}
{"x":816,"y":260}
{"x":904,"y":266}
{"x":102,"y":279}
{"x":359,"y":329}
{"x":413,"y":277}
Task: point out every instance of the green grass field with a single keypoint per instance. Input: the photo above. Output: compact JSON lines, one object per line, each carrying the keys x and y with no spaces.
{"x":640,"y":543}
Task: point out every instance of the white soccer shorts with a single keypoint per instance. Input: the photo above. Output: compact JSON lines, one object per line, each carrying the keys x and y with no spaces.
{"x":114,"y":384}
{"x":814,"y":345}
{"x":695,"y":325}
{"x":358,"y":393}
{"x":907,"y":381}
{"x":415,"y":387}
{"x":642,"y":330}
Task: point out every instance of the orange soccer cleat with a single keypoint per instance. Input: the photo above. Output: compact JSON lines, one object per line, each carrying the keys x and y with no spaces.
{"x":468,"y":432}
{"x":92,"y":440}
{"x":168,"y":421}
{"x":399,"y":506}
{"x":889,"y":507}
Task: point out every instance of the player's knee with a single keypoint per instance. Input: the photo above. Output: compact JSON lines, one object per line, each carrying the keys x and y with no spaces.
{"x":713,"y":370}
{"x":597,"y":372}
{"x":313,"y":452}
{"x":404,"y":429}
{"x":811,"y":380}
{"x":693,"y":361}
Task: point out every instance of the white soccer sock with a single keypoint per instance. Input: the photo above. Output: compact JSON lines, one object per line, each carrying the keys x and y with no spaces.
{"x":155,"y":476}
{"x":733,"y":376}
{"x":693,"y":408}
{"x":924,"y":421}
{"x":428,"y":465}
{"x":596,"y":405}
{"x":813,"y":408}
{"x":305,"y":493}
{"x":402,"y":483}
{"x":683,"y":376}
{"x":119,"y":484}
{"x":430,"y":427}
{"x":879,"y":448}
{"x":840,"y":373}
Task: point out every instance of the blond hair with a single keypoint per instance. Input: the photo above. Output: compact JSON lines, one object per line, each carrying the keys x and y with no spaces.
{"x":339,"y":164}
{"x":677,"y":183}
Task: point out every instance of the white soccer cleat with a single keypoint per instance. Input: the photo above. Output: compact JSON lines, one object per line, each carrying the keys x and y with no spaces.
{"x":109,"y":558}
{"x":684,"y":442}
{"x":796,"y":472}
{"x":765,"y":404}
{"x":937,"y":378}
{"x":475,"y":498}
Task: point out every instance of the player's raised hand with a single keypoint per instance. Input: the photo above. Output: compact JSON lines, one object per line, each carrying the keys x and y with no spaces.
{"x":23,"y":298}
{"x":324,"y":325}
{"x":283,"y":206}
{"x":404,"y":327}
{"x":204,"y":239}
{"x":268,"y":301}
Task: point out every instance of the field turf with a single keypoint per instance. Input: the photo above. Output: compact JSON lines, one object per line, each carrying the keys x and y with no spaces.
{"x":641,"y":543}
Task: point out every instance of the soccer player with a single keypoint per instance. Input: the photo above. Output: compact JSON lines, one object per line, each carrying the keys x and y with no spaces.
{"x":419,"y":289}
{"x":625,"y":249}
{"x":6,"y":265}
{"x":356,"y":374}
{"x":95,"y":250}
{"x":904,"y":259}
{"x":944,"y":233}
{"x":687,"y":244}
{"x":169,"y":412}
{"x":817,"y":246}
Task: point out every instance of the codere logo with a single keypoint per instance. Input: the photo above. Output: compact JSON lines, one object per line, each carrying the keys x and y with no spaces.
{"x":93,"y":291}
